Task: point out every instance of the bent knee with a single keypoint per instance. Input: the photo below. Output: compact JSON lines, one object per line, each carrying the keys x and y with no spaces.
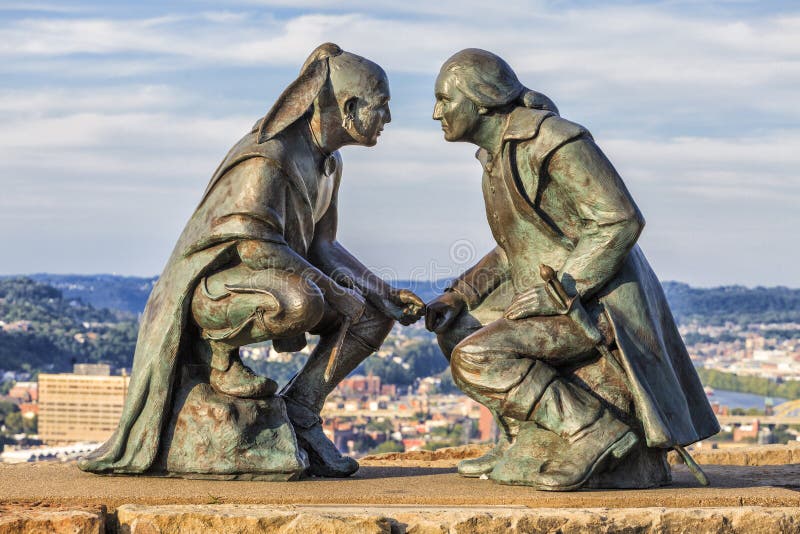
{"x":285,"y":303}
{"x":469,"y":356}
{"x":301,"y":305}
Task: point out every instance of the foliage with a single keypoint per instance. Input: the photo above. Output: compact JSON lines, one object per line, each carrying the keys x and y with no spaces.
{"x":125,"y":293}
{"x":418,"y":358}
{"x":6,"y":408}
{"x":363,"y":442}
{"x":781,"y":434}
{"x":747,"y":411}
{"x":384,"y":425}
{"x":52,"y":333}
{"x":749,"y":384}
{"x":280,"y":372}
{"x":14,"y":423}
{"x":447,"y":437}
{"x":447,"y":385}
{"x":388,"y":446}
{"x":30,"y":425}
{"x":735,"y":304}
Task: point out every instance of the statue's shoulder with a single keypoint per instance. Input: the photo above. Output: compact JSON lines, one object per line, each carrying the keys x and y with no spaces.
{"x":270,"y":154}
{"x":557,"y":130}
{"x":276,"y":149}
{"x":541,"y":132}
{"x":526,"y":124}
{"x":273,"y":153}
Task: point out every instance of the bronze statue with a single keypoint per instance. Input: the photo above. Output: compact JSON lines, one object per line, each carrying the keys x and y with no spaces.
{"x":259,"y":260}
{"x":562,"y":330}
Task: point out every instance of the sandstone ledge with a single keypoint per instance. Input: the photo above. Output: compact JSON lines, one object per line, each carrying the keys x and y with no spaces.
{"x":752,"y":455}
{"x":44,"y":519}
{"x":145,"y":519}
{"x":367,"y":520}
{"x":418,"y":492}
{"x":450,"y":456}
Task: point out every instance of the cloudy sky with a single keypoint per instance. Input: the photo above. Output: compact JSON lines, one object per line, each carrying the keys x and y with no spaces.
{"x":113,"y":116}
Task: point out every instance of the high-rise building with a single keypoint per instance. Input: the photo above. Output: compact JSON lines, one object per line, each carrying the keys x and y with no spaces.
{"x":80,"y":407}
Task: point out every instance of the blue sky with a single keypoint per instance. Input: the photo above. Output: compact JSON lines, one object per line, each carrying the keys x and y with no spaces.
{"x":114,"y":115}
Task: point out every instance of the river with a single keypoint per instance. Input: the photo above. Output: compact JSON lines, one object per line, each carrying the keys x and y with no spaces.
{"x":735,"y":399}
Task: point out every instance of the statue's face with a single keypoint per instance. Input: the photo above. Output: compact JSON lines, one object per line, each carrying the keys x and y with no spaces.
{"x":370,"y":115}
{"x":457,"y":113}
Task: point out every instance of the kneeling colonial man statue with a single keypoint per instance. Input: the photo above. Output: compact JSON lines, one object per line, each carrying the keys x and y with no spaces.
{"x":562,"y":330}
{"x":257,"y":261}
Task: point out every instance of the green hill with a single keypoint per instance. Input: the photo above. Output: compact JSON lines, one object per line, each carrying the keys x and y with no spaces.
{"x":43,"y":330}
{"x":52,"y":321}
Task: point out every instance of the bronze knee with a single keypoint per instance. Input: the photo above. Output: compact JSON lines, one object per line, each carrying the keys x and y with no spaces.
{"x":241,"y":307}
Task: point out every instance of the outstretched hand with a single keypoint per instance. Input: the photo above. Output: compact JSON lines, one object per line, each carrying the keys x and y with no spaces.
{"x":402,"y":305}
{"x":443,"y":310}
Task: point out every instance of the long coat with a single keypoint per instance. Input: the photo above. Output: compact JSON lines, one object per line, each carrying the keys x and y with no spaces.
{"x":552,"y":197}
{"x":255,"y":194}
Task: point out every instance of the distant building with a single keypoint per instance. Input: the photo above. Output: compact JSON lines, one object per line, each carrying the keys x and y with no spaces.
{"x":744,"y":432}
{"x":487,"y":428}
{"x":94,"y":369}
{"x":29,"y":410}
{"x":24,"y":392}
{"x":361,"y":385}
{"x":80,"y":406}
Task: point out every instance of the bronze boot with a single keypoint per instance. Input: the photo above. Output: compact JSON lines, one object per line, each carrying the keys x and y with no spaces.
{"x":569,"y":435}
{"x":595,"y":448}
{"x":475,"y":467}
{"x":231,"y":377}
{"x":324,"y":457}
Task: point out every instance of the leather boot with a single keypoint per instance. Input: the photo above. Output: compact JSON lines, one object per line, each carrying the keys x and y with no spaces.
{"x":597,"y":447}
{"x":475,"y":467}
{"x":234,"y":378}
{"x":574,"y":434}
{"x":324,"y":457}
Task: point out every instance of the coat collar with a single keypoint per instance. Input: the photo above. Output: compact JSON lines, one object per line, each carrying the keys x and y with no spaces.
{"x":521,"y":124}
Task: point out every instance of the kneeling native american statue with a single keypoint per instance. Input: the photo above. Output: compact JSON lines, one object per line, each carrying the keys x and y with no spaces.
{"x":259,"y":260}
{"x":562,"y":331}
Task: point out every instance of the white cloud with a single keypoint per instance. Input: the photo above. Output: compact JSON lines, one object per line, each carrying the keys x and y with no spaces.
{"x":48,"y":102}
{"x":753,"y":167}
{"x":642,"y":56}
{"x":697,"y":111}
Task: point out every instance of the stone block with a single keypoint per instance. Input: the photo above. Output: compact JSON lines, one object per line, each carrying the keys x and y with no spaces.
{"x":26,"y":520}
{"x":243,"y":519}
{"x":752,"y":455}
{"x":211,"y":435}
{"x":135,"y":519}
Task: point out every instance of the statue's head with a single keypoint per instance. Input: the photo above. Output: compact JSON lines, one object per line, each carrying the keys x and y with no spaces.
{"x":473,"y":83}
{"x":351,"y":91}
{"x":361,"y":90}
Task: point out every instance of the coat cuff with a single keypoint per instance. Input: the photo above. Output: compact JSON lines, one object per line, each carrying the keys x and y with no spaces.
{"x":470,"y":294}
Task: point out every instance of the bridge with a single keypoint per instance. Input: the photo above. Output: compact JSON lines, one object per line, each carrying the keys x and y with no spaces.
{"x":787,"y":413}
{"x":767,"y":420}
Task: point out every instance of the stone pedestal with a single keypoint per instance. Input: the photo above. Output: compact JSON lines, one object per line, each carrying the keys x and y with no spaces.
{"x":217,"y":436}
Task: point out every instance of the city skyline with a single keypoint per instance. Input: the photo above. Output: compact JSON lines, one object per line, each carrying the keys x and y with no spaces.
{"x":115,"y":116}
